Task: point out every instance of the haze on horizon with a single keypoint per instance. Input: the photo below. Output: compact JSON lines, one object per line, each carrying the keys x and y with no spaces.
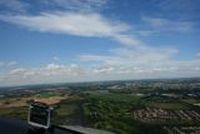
{"x":85,"y":40}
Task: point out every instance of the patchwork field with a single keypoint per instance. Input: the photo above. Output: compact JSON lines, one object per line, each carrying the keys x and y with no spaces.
{"x":120,"y":110}
{"x":22,"y":101}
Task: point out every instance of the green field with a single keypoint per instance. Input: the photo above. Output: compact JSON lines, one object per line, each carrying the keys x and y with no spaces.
{"x":112,"y":112}
{"x":108,"y":111}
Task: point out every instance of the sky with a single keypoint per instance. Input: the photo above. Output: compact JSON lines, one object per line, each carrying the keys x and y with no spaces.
{"x":51,"y":41}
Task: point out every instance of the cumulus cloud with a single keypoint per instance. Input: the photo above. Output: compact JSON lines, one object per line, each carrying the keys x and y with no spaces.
{"x":143,"y":62}
{"x":49,"y":70}
{"x":134,"y":60}
{"x":103,"y":69}
{"x":47,"y":73}
{"x":121,"y":63}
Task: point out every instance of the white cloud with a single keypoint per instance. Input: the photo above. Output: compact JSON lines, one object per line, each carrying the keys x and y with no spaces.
{"x":17,"y":71}
{"x":55,"y":58}
{"x":11,"y":63}
{"x":79,"y":24}
{"x":126,"y":39}
{"x":121,"y":63}
{"x":82,"y":19}
{"x":167,"y":25}
{"x":8,"y":64}
{"x":21,"y":6}
{"x":129,"y":56}
{"x":177,"y":7}
{"x":103,"y":69}
{"x":54,"y":66}
{"x":91,"y":57}
{"x":142,"y":63}
{"x":77,"y":5}
{"x":44,"y":74}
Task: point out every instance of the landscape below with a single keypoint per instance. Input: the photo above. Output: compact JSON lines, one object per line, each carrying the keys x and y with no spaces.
{"x":142,"y":106}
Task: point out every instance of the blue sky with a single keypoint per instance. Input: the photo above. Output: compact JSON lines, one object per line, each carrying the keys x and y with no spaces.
{"x":87,"y":40}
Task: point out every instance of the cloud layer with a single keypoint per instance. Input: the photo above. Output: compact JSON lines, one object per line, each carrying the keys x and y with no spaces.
{"x":134,"y":59}
{"x":48,"y":73}
{"x":78,"y":24}
{"x":144,"y":62}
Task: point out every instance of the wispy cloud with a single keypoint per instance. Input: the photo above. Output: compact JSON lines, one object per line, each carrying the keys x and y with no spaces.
{"x":177,"y":5}
{"x":8,"y":64}
{"x":77,"y":5}
{"x":133,"y":56}
{"x":55,"y":58}
{"x":167,"y":25}
{"x":82,"y":18}
{"x":19,"y":6}
{"x":12,"y":63}
{"x":14,"y":5}
{"x":77,"y":24}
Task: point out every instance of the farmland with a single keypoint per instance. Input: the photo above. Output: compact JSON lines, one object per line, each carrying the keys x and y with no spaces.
{"x":116,"y":106}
